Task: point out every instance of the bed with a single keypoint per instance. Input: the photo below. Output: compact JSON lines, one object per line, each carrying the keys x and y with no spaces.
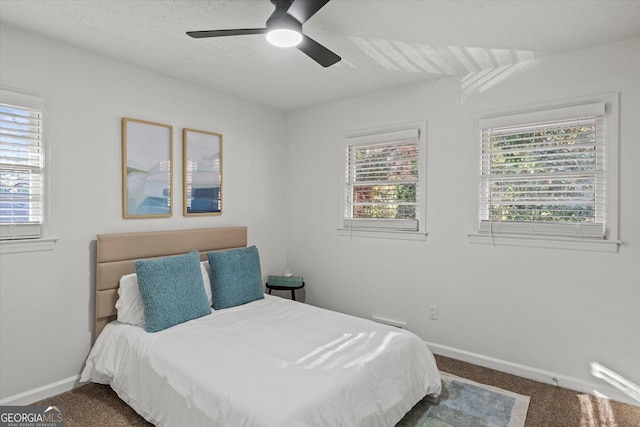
{"x":266,"y":362}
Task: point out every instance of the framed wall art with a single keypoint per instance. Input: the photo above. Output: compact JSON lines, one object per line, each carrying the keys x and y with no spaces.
{"x":202,"y":172}
{"x":147,"y":149}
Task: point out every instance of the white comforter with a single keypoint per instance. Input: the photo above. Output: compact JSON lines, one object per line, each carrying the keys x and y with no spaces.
{"x":272,"y":362}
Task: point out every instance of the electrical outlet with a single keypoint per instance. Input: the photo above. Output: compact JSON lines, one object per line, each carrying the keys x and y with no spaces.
{"x":433,"y":312}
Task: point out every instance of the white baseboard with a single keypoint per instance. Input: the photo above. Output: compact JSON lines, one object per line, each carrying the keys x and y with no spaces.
{"x":30,"y":396}
{"x":599,"y":389}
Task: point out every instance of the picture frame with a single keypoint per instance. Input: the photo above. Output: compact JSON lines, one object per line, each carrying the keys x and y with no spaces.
{"x":201,"y":172}
{"x":147,"y":159}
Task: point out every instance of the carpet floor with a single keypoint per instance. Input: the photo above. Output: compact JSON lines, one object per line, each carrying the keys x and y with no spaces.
{"x":549,"y":406}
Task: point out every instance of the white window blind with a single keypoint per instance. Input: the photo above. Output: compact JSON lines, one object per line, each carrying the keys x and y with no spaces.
{"x":21,"y":166}
{"x":382,"y":181}
{"x":544,"y":177}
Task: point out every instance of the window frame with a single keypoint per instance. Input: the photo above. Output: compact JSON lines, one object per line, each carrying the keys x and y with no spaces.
{"x":509,"y":236}
{"x":30,"y":98}
{"x":363,"y":137}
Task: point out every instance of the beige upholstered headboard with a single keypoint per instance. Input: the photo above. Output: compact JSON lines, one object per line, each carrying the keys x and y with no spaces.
{"x":116,"y":254}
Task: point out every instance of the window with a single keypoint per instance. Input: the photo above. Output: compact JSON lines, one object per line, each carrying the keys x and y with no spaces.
{"x":548,"y":173}
{"x":21,"y":166}
{"x":384,"y":181}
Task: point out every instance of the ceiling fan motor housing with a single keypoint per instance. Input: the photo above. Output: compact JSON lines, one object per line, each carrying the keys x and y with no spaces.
{"x":285,"y":21}
{"x":281,"y":19}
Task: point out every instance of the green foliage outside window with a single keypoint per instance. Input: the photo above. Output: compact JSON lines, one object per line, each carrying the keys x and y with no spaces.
{"x":384,"y":181}
{"x":543,"y":175}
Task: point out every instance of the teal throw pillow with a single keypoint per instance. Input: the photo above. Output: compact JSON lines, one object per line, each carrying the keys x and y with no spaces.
{"x":235,"y":277}
{"x":171,"y":290}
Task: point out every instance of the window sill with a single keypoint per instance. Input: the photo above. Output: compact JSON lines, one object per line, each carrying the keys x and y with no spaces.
{"x":548,"y":242}
{"x":27,"y":245}
{"x":384,"y":234}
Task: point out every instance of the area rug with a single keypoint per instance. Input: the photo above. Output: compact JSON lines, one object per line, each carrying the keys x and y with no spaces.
{"x":464,"y":403}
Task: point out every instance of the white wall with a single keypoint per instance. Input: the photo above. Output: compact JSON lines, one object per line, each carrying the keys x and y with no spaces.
{"x":46,"y":298}
{"x":550,"y":311}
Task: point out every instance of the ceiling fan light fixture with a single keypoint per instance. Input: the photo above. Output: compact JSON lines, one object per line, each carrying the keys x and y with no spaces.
{"x":284,"y":37}
{"x":284,"y":29}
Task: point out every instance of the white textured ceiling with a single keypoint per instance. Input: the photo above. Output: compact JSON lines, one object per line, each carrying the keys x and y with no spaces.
{"x":383,"y":43}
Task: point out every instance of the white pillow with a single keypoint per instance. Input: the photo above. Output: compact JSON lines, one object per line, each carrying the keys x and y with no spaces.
{"x":205,"y":268}
{"x":130,"y":306}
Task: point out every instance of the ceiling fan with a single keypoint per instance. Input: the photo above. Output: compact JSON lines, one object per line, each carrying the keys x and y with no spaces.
{"x":284,"y":28}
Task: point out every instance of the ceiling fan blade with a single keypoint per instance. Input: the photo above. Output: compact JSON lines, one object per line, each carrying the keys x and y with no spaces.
{"x":317,"y":52}
{"x":222,"y":33}
{"x":305,"y":9}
